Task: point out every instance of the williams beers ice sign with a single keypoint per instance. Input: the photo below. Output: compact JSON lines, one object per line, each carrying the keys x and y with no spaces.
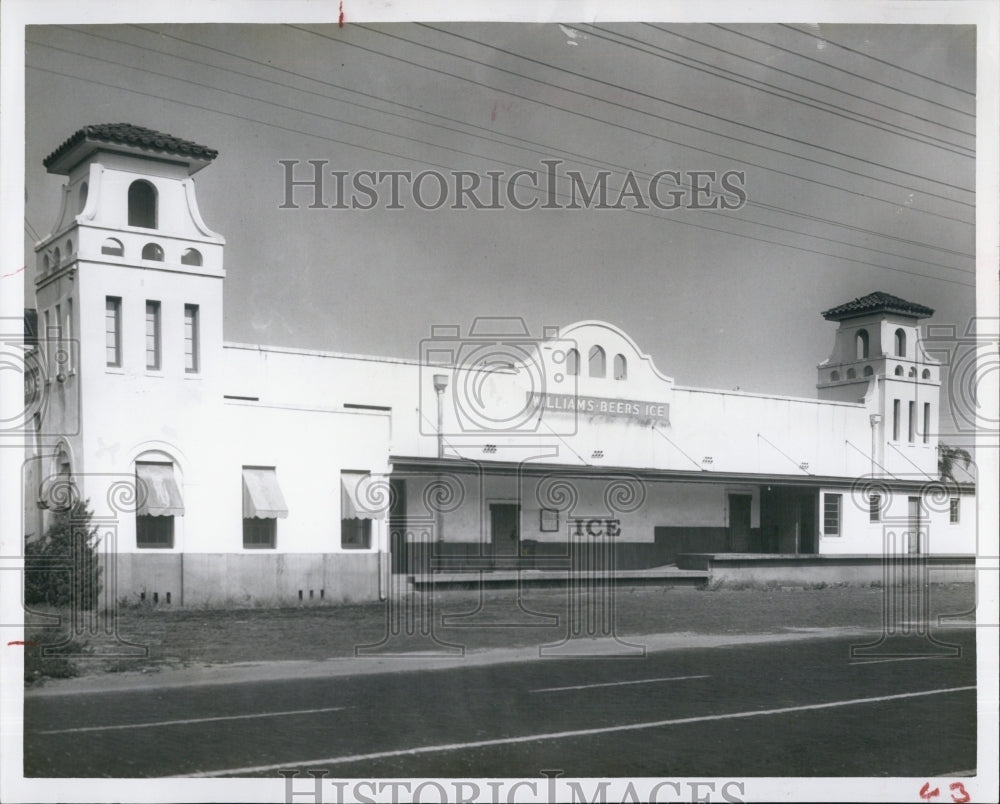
{"x":634,"y":410}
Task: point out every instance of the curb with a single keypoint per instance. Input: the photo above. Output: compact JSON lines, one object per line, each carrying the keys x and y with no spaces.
{"x":306,"y":669}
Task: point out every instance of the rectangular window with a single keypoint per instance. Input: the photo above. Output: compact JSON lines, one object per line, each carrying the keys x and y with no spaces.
{"x":191,"y":338}
{"x":68,"y":335}
{"x":895,"y":420}
{"x":355,"y":534}
{"x":152,"y":335}
{"x":154,"y":531}
{"x":113,"y":330}
{"x":831,"y":514}
{"x":260,"y":534}
{"x":912,"y":413}
{"x":954,"y":509}
{"x":927,"y":422}
{"x":47,"y":348}
{"x":875,"y":508}
{"x":158,"y":502}
{"x":263,"y":505}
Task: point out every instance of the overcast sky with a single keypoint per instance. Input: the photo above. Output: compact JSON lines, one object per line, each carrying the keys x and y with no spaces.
{"x":856,"y":142}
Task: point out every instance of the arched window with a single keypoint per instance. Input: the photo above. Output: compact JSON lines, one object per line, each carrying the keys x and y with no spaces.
{"x":56,"y":259}
{"x":834,"y":376}
{"x":191,"y":256}
{"x":861,"y":345}
{"x":69,"y":247}
{"x":851,"y":374}
{"x":900,"y":343}
{"x":142,"y":204}
{"x":112,"y":247}
{"x":83,"y":195}
{"x":926,"y":374}
{"x":621,"y":367}
{"x":899,"y":371}
{"x":869,"y":371}
{"x":152,"y":251}
{"x":572,"y":362}
{"x":597,"y":362}
{"x":45,"y":263}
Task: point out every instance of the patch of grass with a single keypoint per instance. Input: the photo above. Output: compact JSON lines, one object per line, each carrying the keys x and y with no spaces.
{"x":37,"y":667}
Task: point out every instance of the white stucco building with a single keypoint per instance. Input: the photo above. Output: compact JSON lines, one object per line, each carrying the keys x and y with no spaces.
{"x":235,"y":472}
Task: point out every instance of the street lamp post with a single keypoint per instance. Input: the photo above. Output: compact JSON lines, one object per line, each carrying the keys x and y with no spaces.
{"x":440,"y":383}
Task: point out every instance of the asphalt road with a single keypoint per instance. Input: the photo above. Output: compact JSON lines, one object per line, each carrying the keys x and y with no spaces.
{"x":802,"y":708}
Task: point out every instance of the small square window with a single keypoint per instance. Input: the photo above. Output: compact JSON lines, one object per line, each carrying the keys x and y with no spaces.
{"x":154,"y":531}
{"x":355,"y":534}
{"x":260,"y":534}
{"x":549,"y":520}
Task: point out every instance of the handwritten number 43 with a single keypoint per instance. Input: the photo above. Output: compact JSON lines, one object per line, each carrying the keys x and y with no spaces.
{"x":958,"y":792}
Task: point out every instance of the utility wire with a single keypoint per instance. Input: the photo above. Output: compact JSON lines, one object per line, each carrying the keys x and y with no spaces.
{"x":467,"y":153}
{"x":776,"y":91}
{"x":214,"y":110}
{"x":797,"y":76}
{"x":829,"y":66}
{"x":547,"y":149}
{"x":648,"y":96}
{"x":829,"y":41}
{"x":605,"y":121}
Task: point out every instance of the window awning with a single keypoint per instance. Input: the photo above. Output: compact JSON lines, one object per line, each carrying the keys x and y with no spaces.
{"x":262,"y":497}
{"x":157,"y":493}
{"x":359,"y":499}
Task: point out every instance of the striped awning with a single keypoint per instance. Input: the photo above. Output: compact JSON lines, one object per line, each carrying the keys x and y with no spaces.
{"x":358,"y":499}
{"x":157,"y":493}
{"x":262,"y":497}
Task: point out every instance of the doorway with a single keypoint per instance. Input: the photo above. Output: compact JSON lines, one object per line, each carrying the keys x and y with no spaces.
{"x":505,"y":529}
{"x":399,"y":558}
{"x":913,"y":524}
{"x":739,"y":522}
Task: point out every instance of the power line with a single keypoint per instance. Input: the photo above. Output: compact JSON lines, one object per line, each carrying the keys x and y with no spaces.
{"x":462,"y":152}
{"x":667,"y":102}
{"x":799,"y":77}
{"x":681,"y":106}
{"x":622,"y":126}
{"x":547,"y":152}
{"x":829,"y":41}
{"x":829,"y":66}
{"x":780,"y":92}
{"x":428,"y":162}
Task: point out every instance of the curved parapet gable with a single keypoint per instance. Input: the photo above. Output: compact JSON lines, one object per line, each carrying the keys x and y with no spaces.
{"x":195,"y":212}
{"x":614,"y":379}
{"x":640,"y":371}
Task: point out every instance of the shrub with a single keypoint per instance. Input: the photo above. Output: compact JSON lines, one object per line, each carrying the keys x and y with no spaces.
{"x":73,"y":538}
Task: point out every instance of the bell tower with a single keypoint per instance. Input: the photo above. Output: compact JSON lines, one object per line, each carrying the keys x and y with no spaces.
{"x":128,"y":289}
{"x":878,"y":359}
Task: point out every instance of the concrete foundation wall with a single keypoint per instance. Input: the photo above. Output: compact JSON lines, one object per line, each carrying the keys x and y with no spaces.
{"x":854,"y":570}
{"x":217,"y":579}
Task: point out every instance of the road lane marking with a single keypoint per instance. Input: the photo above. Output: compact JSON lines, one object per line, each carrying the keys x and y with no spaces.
{"x":617,"y":683}
{"x":898,"y":659}
{"x":562,"y":735}
{"x":191,"y":720}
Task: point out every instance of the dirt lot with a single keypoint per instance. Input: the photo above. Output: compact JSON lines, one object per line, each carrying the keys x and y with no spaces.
{"x":178,"y":638}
